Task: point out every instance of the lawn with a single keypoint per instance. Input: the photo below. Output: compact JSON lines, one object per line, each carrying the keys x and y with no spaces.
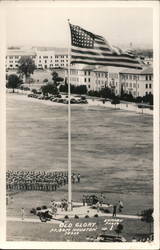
{"x":111,"y":149}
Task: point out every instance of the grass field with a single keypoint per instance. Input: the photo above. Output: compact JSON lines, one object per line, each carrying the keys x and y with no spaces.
{"x":112,"y":150}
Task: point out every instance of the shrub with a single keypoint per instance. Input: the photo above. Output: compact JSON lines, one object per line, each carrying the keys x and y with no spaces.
{"x":33,"y":211}
{"x":96,"y":215}
{"x":44,"y":207}
{"x":45,"y":80}
{"x":38,"y":208}
{"x":87,"y":216}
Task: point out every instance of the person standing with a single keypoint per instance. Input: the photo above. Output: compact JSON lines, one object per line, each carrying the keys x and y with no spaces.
{"x":114,"y":210}
{"x":78,"y":178}
{"x":120,"y":203}
{"x":98,"y":206}
{"x":84,"y":200}
{"x":22,"y":213}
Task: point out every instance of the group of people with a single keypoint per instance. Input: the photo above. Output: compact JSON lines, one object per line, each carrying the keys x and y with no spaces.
{"x":37,"y":181}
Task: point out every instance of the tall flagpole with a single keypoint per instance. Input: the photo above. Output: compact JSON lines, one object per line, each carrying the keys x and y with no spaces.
{"x":69,"y":132}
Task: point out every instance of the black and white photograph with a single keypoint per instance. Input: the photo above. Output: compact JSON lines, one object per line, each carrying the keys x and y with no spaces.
{"x":81,"y":100}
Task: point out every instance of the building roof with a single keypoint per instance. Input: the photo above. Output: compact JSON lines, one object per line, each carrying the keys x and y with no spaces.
{"x":55,"y":49}
{"x":88,"y":67}
{"x":13,"y":52}
{"x":145,"y":70}
{"x":102,"y":69}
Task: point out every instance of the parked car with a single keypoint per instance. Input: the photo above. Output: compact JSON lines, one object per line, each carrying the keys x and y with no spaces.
{"x":110,"y":238}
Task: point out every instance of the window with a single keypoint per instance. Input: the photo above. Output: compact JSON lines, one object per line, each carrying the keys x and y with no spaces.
{"x":88,"y":79}
{"x":39,"y":61}
{"x":85,"y":79}
{"x":11,"y":65}
{"x":10,"y":57}
{"x":39,"y":56}
{"x":56,"y":56}
{"x":45,"y":61}
{"x":85,"y":73}
{"x":62,"y":56}
{"x":150,"y":85}
{"x":89,"y":73}
{"x":150,"y":77}
{"x":89,"y":86}
{"x":130,"y":77}
{"x":45,"y":57}
{"x":146,"y":86}
{"x":146,"y":78}
{"x":130,"y":85}
{"x":134,"y":85}
{"x":16,"y":57}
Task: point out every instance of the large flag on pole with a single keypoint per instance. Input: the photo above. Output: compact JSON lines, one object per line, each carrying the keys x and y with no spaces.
{"x":88,"y":48}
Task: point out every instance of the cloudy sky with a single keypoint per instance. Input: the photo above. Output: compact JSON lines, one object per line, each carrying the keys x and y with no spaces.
{"x":48,"y":26}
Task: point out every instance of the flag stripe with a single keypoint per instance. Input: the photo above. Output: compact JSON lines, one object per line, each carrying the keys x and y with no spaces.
{"x":106,"y":64}
{"x":100,"y":59}
{"x":86,"y":52}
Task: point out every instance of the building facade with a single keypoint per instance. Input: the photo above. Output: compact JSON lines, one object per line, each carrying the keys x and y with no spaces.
{"x":137,"y":82}
{"x":43,"y":59}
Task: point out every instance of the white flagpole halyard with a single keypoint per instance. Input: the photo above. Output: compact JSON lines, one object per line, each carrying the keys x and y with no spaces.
{"x":69,"y":131}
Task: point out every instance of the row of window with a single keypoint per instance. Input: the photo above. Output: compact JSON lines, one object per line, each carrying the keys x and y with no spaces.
{"x":148,"y":86}
{"x":101,"y":75}
{"x":131,"y":85}
{"x":130,"y":77}
{"x":45,"y":57}
{"x":148,"y":77}
{"x":51,"y":65}
{"x":87,"y":79}
{"x":75,"y":79}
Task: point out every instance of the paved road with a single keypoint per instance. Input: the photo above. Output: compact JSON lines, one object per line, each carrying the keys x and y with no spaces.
{"x":60,"y":217}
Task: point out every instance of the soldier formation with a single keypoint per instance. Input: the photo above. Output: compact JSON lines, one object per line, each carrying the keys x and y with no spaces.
{"x":37,"y":181}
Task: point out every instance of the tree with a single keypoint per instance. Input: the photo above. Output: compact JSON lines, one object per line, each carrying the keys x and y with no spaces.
{"x":119,"y":229}
{"x":56,"y":79}
{"x":115,"y":101}
{"x":147,"y":217}
{"x":34,"y":91}
{"x":49,"y":89}
{"x":106,"y":93}
{"x":148,"y":98}
{"x":13,"y":82}
{"x":26,"y":66}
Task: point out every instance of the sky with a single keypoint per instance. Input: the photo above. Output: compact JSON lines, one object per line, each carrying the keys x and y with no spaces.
{"x":35,"y":26}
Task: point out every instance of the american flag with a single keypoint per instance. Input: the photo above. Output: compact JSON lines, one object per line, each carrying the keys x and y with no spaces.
{"x":88,"y":48}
